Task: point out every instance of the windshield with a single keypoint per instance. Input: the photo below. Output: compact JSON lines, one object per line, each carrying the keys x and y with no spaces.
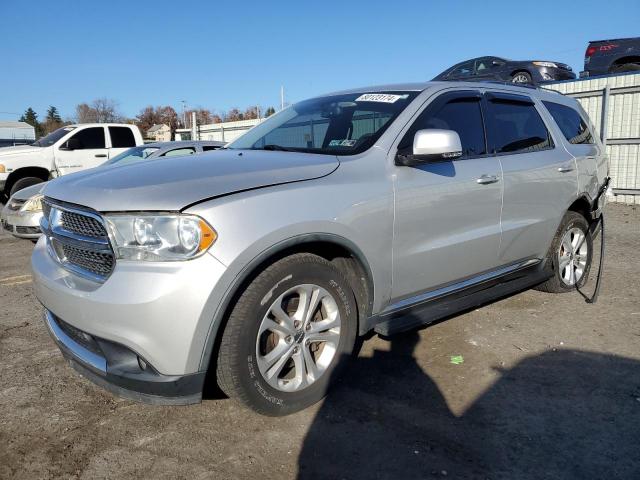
{"x":135,"y":154}
{"x":53,"y":137}
{"x":336,"y":125}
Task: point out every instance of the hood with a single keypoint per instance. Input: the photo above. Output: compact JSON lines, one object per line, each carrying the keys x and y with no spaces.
{"x":27,"y":193}
{"x":173,"y":183}
{"x":18,"y":150}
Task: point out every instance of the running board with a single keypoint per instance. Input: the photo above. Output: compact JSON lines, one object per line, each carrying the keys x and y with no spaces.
{"x":451,"y":302}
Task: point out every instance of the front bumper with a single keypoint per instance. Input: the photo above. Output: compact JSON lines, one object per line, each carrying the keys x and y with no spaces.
{"x":120,"y":370}
{"x":21,"y":224}
{"x":159,"y":313}
{"x":550,"y":74}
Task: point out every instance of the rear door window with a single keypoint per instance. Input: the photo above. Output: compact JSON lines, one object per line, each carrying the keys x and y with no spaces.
{"x":570,"y":122}
{"x":514,"y":125}
{"x":122,"y":137}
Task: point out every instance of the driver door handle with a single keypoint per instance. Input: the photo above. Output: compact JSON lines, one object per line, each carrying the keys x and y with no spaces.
{"x":487,"y":179}
{"x":565,"y":169}
{"x":101,"y":155}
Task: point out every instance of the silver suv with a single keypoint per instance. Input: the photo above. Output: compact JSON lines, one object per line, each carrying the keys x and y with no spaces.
{"x":380,"y":209}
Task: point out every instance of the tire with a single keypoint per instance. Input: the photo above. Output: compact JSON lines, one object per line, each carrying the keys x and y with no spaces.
{"x":571,"y":222}
{"x":625,"y":67}
{"x":243,"y":362}
{"x":522,"y":77}
{"x":24,"y":183}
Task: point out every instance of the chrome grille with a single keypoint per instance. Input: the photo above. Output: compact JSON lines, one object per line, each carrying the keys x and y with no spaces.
{"x":78,"y":239}
{"x":82,"y":225}
{"x":97,"y":263}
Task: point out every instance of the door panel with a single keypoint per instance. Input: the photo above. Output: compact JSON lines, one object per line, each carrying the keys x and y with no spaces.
{"x":540,"y":176}
{"x":447,"y":223}
{"x":89,"y":151}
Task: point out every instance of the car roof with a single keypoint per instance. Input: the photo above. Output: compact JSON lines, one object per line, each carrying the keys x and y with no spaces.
{"x":419,"y":87}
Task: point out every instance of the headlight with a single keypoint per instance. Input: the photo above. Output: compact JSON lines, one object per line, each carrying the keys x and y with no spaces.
{"x":545,"y":64}
{"x":2,"y":168}
{"x":159,"y":238}
{"x":34,"y":204}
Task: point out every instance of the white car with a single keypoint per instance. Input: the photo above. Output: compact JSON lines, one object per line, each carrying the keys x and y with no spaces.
{"x":22,"y":213}
{"x":67,"y":150}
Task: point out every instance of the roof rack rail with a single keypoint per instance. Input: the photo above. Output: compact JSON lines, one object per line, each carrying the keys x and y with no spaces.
{"x":524,"y":85}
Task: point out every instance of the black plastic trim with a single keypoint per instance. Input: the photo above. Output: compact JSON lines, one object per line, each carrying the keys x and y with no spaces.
{"x":125,"y":378}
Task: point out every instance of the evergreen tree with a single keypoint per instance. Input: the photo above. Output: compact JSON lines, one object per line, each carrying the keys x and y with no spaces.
{"x":270,"y":111}
{"x":53,"y":116}
{"x":30,"y":117}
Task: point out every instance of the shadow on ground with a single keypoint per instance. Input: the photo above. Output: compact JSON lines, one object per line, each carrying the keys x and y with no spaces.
{"x":560,"y":415}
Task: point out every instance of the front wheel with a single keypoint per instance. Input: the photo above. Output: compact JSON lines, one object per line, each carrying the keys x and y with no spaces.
{"x":522,"y":77}
{"x":570,"y":255}
{"x":289,"y":330}
{"x":24,"y":183}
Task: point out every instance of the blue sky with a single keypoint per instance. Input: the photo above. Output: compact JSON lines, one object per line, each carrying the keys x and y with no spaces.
{"x":221,"y":54}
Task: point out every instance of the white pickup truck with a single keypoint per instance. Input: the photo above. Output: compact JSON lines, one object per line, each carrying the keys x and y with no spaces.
{"x":69,"y":149}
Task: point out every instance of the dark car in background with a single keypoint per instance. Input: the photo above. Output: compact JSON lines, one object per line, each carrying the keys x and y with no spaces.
{"x":503,"y":70}
{"x":612,"y":56}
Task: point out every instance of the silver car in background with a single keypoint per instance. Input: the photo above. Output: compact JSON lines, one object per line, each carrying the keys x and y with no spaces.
{"x":376,"y":209}
{"x":22,"y":213}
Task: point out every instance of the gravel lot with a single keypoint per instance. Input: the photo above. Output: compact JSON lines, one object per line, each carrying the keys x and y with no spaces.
{"x":549,"y":388}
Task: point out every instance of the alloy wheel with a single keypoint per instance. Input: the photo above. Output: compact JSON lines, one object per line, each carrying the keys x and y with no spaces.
{"x":573,"y":256}
{"x":298,"y":337}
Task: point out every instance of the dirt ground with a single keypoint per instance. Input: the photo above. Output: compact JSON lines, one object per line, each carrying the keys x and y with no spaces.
{"x":549,"y":388}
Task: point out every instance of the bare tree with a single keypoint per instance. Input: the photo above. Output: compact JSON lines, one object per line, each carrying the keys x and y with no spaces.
{"x":106,"y":110}
{"x":85,"y":114}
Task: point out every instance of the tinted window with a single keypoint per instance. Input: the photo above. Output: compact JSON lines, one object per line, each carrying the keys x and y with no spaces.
{"x":516,"y":127}
{"x":90,"y":138}
{"x":121,"y":137}
{"x":463,"y":70}
{"x":462,"y":115}
{"x":179,"y":151}
{"x":571,"y":124}
{"x":53,"y":137}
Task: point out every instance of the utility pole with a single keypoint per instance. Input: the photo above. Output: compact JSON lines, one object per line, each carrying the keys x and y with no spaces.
{"x":184,"y":117}
{"x":282,"y":97}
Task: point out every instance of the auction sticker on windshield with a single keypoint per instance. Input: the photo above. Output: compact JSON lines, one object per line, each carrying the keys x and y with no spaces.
{"x":380,"y":97}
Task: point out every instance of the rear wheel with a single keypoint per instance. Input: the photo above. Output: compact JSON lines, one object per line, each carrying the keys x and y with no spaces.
{"x":570,"y":255}
{"x":24,"y":183}
{"x":289,"y":330}
{"x":521,"y":77}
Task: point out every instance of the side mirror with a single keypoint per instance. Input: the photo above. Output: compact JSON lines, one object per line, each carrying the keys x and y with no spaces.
{"x":432,"y":145}
{"x":71,"y":144}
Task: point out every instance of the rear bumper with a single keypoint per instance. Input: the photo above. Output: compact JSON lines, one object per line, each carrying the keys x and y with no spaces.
{"x":120,"y":370}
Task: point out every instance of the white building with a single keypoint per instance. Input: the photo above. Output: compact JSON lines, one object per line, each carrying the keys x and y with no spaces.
{"x":16,"y":133}
{"x":159,"y":133}
{"x":221,"y":132}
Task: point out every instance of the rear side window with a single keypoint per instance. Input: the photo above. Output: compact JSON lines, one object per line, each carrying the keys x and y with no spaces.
{"x":206,"y":148}
{"x":459,"y":113}
{"x":122,"y":137}
{"x":571,"y":124}
{"x":90,"y":138}
{"x":516,"y":126}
